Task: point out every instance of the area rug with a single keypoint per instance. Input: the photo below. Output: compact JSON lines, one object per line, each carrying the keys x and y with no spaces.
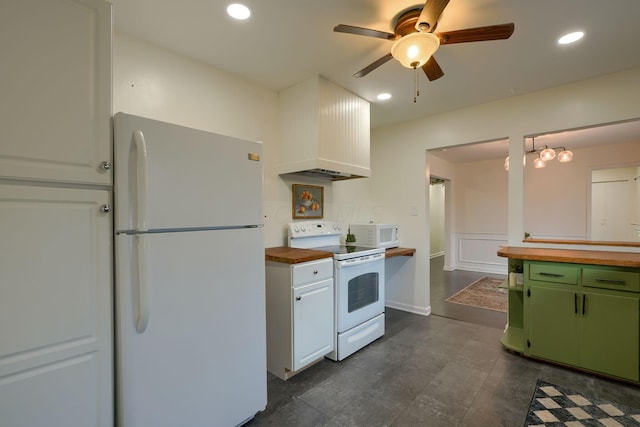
{"x":483,"y":293}
{"x":553,"y":405}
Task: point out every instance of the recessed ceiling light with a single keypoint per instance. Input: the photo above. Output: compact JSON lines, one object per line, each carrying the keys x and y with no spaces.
{"x":571,"y":37}
{"x":238,"y":11}
{"x":384,"y":96}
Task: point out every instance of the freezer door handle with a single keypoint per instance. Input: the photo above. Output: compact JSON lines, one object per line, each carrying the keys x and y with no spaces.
{"x":143,"y":286}
{"x":141,"y":179}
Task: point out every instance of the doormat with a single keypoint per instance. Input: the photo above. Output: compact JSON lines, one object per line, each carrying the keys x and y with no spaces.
{"x":553,"y":405}
{"x":483,"y":293}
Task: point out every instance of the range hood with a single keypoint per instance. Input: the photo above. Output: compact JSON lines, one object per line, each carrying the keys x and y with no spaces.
{"x":326,"y":174}
{"x":325,"y":131}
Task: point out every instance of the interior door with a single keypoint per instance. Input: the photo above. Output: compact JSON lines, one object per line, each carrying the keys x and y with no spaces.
{"x":55,"y":308}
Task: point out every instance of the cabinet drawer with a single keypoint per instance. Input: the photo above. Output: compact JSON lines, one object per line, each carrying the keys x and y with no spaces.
{"x":611,"y":279}
{"x":312,"y":271}
{"x":556,"y":273}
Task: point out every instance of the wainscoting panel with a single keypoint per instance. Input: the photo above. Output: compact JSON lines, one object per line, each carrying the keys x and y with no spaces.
{"x":478,"y":252}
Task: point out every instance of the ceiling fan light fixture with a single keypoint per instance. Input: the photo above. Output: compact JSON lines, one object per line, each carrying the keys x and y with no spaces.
{"x":415,"y":49}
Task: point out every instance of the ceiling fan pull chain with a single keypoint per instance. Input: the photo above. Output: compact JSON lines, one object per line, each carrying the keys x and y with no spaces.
{"x":415,"y":84}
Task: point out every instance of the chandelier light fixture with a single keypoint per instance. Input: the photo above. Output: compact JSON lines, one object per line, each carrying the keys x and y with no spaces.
{"x":544,"y":154}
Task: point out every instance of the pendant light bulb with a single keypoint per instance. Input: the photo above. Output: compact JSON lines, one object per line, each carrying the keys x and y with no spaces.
{"x":539,"y":163}
{"x":547,"y":154}
{"x":565,"y":156}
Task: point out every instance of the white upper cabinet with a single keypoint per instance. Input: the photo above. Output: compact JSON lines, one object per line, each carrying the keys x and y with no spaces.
{"x":56,"y":90}
{"x":325,"y":131}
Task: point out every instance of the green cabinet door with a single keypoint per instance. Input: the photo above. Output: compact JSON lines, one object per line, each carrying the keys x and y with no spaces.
{"x":609,"y":334}
{"x":553,"y":325}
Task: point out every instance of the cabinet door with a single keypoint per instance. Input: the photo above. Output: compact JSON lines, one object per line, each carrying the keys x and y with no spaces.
{"x":609,"y":334}
{"x":55,"y":307}
{"x":56,"y":90}
{"x":553,"y":324}
{"x":313,"y":331}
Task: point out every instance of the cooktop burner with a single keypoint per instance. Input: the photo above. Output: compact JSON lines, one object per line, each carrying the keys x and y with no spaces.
{"x":342,"y":252}
{"x":342,"y":249}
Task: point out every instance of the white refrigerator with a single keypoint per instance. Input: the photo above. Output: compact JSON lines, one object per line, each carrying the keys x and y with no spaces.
{"x":190,"y":292}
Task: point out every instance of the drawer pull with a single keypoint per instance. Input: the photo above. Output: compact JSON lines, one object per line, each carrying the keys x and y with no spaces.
{"x":298,"y":298}
{"x":542,"y":273}
{"x":611,"y":281}
{"x":315,"y":271}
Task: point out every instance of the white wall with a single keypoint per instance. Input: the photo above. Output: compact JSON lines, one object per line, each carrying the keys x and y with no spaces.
{"x":400,"y":173}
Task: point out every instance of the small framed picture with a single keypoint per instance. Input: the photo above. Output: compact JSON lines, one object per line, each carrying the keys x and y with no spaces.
{"x":308,"y":201}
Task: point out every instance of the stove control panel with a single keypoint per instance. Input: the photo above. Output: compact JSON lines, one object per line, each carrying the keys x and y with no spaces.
{"x":314,"y":228}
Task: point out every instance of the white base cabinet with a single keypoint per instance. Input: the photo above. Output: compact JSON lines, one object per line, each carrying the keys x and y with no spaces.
{"x":300,"y":315}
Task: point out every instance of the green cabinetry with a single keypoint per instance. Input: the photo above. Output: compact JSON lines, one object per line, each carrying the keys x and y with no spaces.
{"x":609,"y":342}
{"x":552,"y":331}
{"x":584,"y":316}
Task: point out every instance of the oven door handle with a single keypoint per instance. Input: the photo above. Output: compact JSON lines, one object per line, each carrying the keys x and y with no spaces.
{"x":359,"y":261}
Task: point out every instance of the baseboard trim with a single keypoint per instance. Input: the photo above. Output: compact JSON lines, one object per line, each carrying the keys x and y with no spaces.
{"x":423,"y":311}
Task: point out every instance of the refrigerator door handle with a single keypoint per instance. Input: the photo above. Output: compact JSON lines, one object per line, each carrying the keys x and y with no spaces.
{"x":141,"y":179}
{"x":143,"y":286}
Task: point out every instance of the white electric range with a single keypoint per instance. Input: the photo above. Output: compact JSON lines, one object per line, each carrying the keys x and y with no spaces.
{"x":358,"y":282}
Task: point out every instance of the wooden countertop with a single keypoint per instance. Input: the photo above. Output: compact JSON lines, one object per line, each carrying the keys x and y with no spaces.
{"x":581,"y":242}
{"x":294,"y":255}
{"x":391,"y":252}
{"x":619,"y":259}
{"x":288,"y":255}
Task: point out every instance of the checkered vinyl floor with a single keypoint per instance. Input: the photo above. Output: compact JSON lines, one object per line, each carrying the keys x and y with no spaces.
{"x":555,"y":406}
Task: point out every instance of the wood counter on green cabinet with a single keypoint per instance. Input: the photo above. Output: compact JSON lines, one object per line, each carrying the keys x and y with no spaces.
{"x":578,"y":308}
{"x":619,"y":259}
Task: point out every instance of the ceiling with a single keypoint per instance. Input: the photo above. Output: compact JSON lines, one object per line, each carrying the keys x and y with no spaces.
{"x":288,"y":41}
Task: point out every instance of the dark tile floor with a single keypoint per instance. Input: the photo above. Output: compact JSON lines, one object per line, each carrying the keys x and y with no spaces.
{"x":425,"y":371}
{"x":446,"y":283}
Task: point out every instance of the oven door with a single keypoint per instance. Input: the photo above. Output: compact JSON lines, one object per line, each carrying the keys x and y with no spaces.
{"x":359,"y":290}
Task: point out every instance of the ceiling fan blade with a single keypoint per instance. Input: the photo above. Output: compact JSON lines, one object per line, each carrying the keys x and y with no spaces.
{"x":492,"y":32}
{"x":432,"y":69}
{"x":430,"y":14}
{"x":350,"y":29}
{"x":369,"y":68}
